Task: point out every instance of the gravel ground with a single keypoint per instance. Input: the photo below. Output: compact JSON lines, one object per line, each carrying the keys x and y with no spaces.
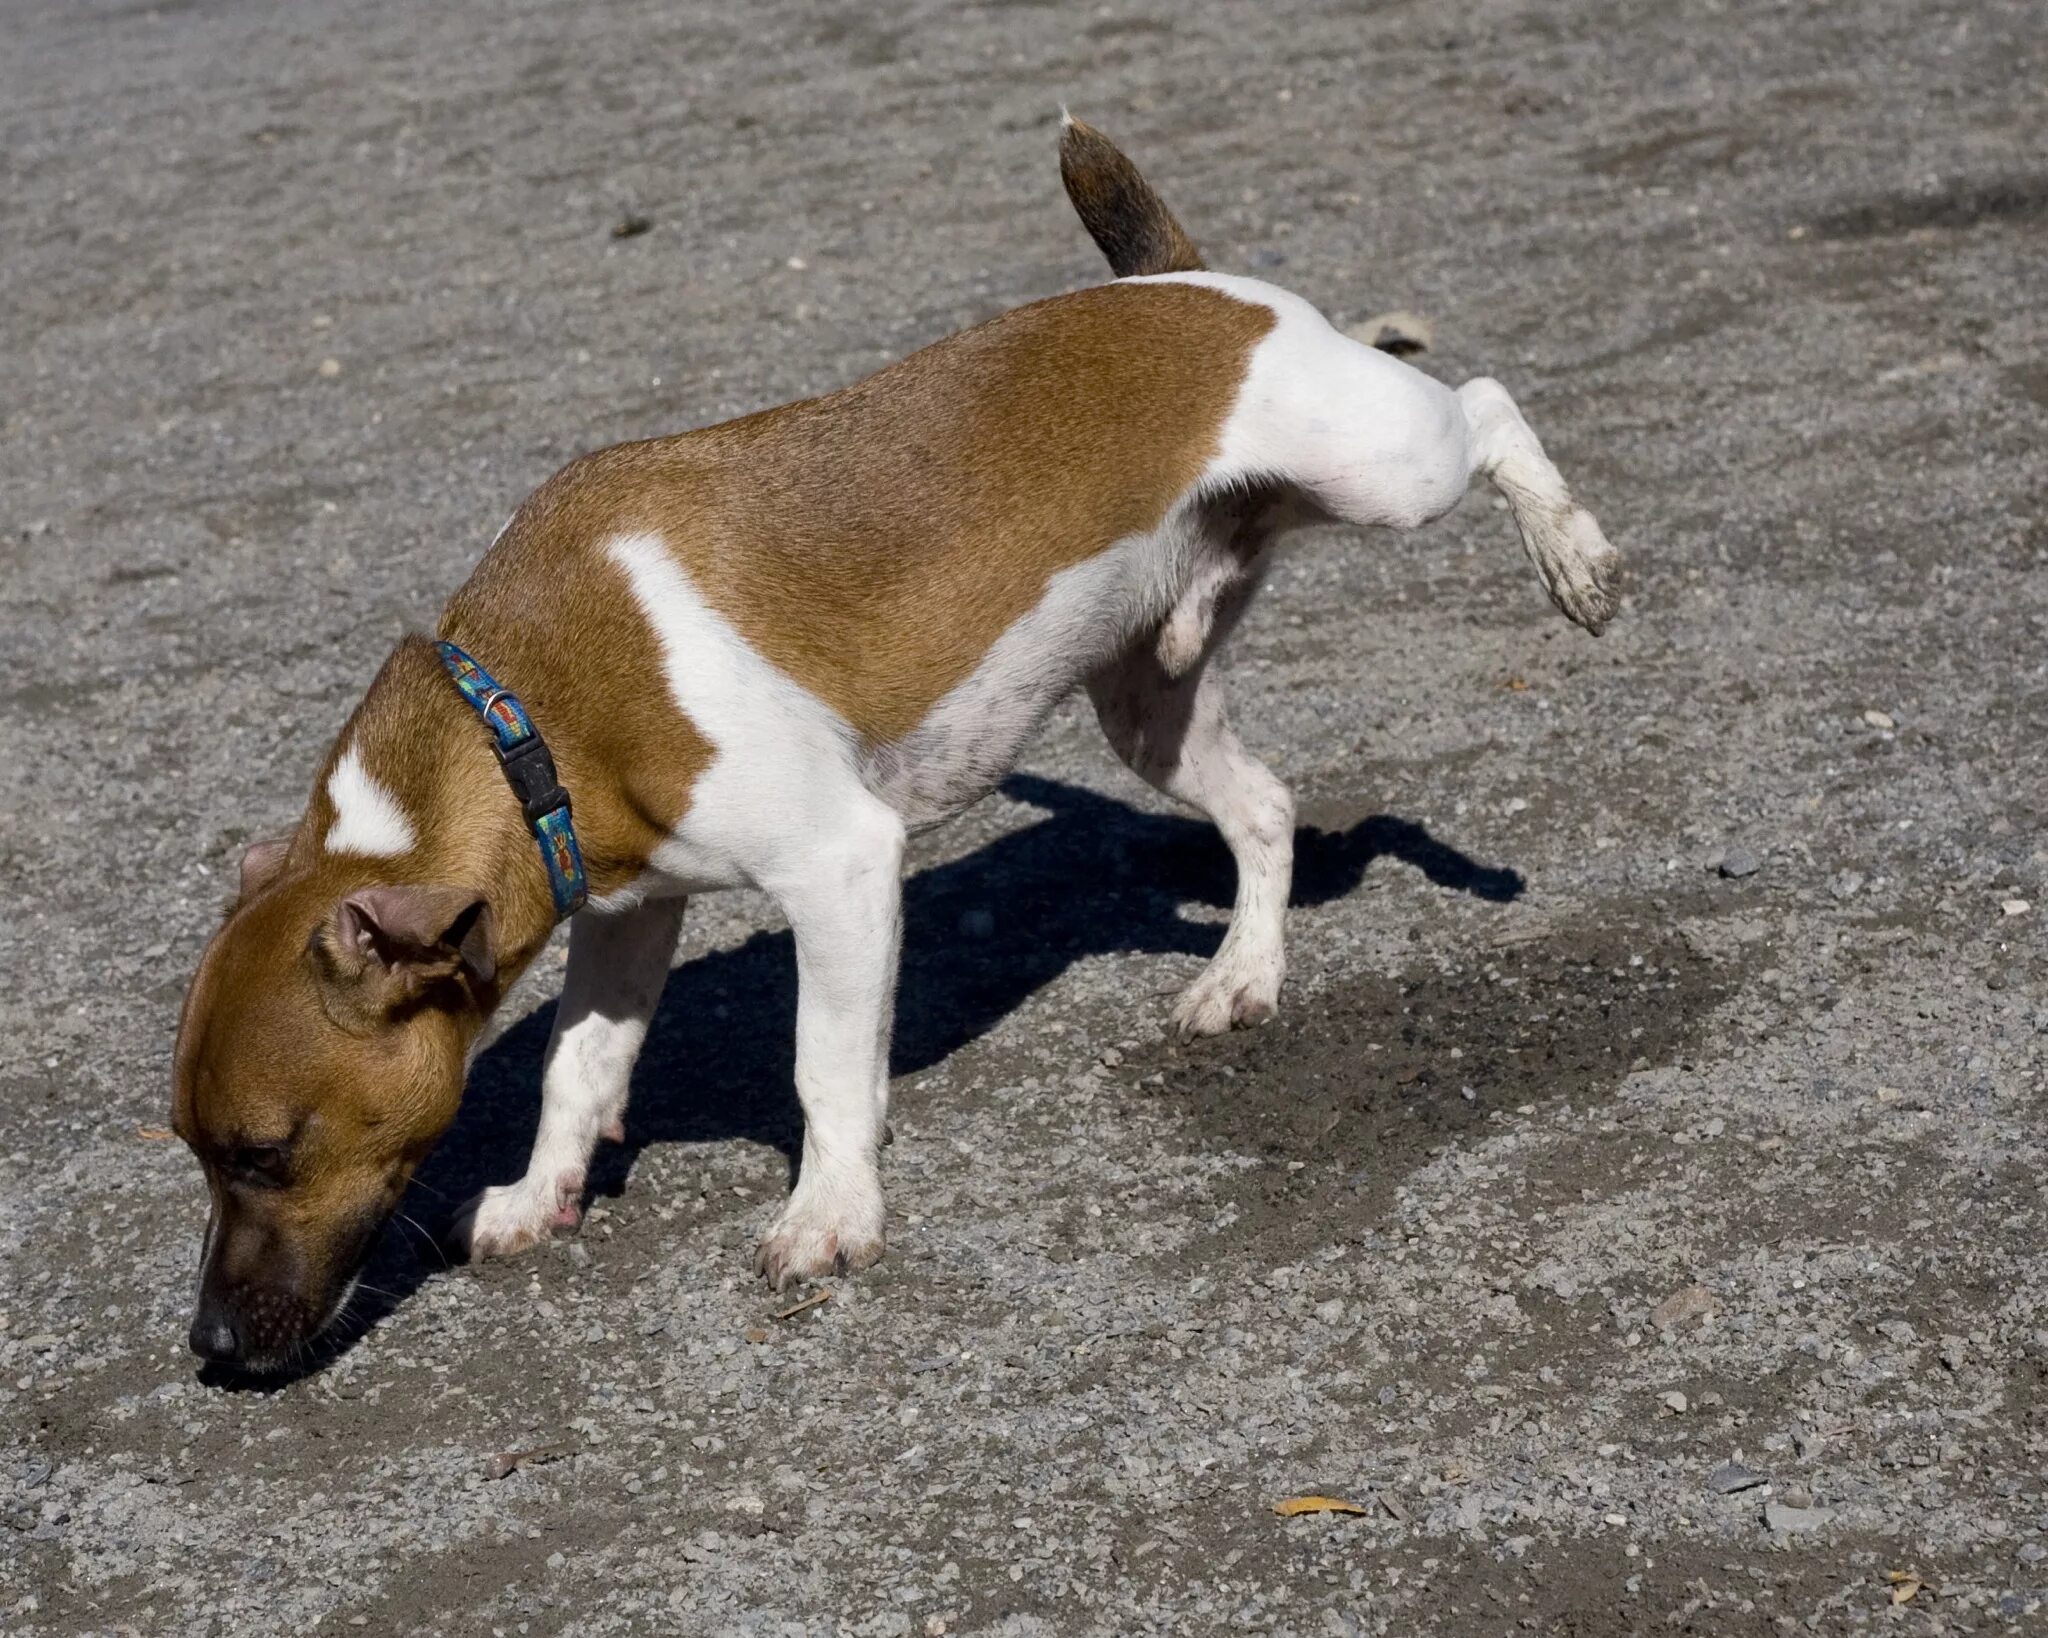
{"x":1637,"y":1208}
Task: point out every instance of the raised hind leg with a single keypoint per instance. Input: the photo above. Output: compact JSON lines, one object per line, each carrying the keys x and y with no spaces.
{"x":1371,"y":440}
{"x":1578,"y":566}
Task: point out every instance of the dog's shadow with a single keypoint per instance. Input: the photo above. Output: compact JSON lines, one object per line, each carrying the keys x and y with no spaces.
{"x":981,"y":935}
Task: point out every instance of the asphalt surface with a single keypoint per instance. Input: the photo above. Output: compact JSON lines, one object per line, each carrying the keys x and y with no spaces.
{"x":1575,"y":1170}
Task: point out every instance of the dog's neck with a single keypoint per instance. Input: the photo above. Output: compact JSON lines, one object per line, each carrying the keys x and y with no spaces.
{"x":412,"y":793}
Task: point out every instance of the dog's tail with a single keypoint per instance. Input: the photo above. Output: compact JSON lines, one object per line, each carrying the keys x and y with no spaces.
{"x":1118,"y":207}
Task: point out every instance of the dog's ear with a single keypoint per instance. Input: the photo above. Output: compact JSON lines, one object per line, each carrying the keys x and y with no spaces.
{"x":261,"y":861}
{"x":417,"y":933}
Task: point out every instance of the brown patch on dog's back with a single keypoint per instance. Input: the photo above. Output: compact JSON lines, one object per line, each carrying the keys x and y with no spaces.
{"x":874,"y":543}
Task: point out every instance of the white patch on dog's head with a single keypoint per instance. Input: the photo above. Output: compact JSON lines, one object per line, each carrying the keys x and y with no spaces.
{"x":367,"y":817}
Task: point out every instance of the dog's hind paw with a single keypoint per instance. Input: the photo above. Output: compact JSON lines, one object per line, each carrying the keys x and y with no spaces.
{"x":1581,"y":569}
{"x":515,"y":1217}
{"x":1230,"y":994}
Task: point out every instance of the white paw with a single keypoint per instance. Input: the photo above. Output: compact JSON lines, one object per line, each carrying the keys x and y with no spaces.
{"x":1232,"y":993}
{"x":1582,"y":570}
{"x":832,"y":1227}
{"x":515,"y":1217}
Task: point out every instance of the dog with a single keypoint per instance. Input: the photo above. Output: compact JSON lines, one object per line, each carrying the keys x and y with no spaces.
{"x":762,"y":654}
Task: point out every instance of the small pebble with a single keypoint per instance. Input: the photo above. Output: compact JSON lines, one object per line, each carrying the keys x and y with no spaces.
{"x":2015,"y":907}
{"x":1675,"y":1402}
{"x":1738,"y":862}
{"x":1694,"y":1302}
{"x":1878,"y":719}
{"x":329,"y":368}
{"x":1732,"y":1477}
{"x":1793,"y":1521}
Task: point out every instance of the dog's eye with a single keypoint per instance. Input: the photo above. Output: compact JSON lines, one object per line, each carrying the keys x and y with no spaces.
{"x":267,"y":1165}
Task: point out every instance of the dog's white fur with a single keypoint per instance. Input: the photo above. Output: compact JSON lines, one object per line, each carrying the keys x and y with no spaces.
{"x":367,"y":817}
{"x":1322,"y":426}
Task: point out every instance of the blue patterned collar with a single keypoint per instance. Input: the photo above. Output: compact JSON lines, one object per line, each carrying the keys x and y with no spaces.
{"x":530,"y":770}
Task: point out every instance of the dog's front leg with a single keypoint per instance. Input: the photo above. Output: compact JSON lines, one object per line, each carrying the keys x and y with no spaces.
{"x":844,"y":901}
{"x":618,"y":965}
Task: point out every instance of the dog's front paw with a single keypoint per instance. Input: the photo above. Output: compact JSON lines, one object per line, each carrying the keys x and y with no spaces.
{"x":515,"y":1217}
{"x":1229,"y":995}
{"x":832,"y":1228}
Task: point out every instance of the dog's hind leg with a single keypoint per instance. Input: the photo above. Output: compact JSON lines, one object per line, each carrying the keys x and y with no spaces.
{"x":1174,"y":733}
{"x":1578,"y":566}
{"x":618,"y":965}
{"x":844,"y":901}
{"x":1373,"y":441}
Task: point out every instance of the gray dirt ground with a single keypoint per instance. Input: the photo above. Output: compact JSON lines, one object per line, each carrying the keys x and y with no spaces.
{"x":1769,"y":280}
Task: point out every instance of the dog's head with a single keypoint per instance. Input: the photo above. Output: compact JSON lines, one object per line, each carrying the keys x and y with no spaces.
{"x":321,"y":1053}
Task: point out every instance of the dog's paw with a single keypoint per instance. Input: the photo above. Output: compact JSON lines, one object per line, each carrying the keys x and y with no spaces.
{"x":1581,"y":569}
{"x":1229,"y":995}
{"x":833,"y":1229}
{"x":516,"y":1217}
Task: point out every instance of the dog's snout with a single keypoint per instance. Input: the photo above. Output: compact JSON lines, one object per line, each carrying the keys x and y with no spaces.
{"x":214,"y":1337}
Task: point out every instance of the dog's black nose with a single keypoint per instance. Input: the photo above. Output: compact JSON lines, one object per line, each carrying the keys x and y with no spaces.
{"x":213,"y":1336}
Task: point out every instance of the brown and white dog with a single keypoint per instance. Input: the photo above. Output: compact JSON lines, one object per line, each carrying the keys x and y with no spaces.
{"x":763,"y":652}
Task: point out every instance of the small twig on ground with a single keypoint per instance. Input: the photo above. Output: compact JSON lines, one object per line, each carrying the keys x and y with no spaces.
{"x":507,"y":1462}
{"x":808,"y":1302}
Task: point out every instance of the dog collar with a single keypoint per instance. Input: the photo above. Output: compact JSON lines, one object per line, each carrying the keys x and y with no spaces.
{"x":530,"y":771}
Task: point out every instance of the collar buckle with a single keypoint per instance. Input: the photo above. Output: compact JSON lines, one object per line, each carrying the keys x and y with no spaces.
{"x":530,"y":771}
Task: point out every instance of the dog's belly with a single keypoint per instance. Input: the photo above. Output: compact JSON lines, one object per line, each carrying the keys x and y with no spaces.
{"x":974,"y":735}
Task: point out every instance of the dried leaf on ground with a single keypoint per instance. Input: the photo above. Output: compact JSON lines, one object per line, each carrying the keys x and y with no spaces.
{"x":1294,"y":1506}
